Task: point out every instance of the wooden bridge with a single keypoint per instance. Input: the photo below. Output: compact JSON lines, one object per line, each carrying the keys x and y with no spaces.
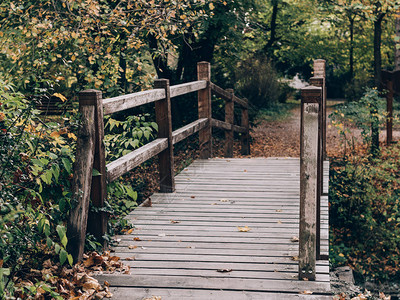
{"x":251,"y":228}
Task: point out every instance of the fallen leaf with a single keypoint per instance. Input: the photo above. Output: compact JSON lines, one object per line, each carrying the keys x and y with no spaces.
{"x":192,"y":197}
{"x":129,"y":231}
{"x":132,"y":247}
{"x":278,"y":210}
{"x":279,"y":222}
{"x":130,"y":258}
{"x":153,"y":298}
{"x":306,"y":293}
{"x":244,"y":229}
{"x":175,"y":222}
{"x":295,"y":258}
{"x":224,"y":200}
{"x":294,"y":239}
{"x":136,"y":239}
{"x":224,"y":270}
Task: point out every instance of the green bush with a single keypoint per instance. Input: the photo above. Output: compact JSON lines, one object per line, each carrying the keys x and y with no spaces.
{"x":365,"y":214}
{"x":257,"y":80}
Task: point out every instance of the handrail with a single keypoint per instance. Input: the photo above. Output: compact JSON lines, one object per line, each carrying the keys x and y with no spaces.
{"x":162,"y":146}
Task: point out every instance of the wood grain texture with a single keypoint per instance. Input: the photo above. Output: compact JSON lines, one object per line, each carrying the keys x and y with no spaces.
{"x":224,"y":94}
{"x":82,"y":180}
{"x":120,"y":103}
{"x":186,"y":131}
{"x":229,"y":118}
{"x":186,"y":88}
{"x":204,"y":107}
{"x":131,"y":160}
{"x":182,"y":241}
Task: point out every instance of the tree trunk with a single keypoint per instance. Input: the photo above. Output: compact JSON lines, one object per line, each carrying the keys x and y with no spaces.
{"x":397,"y":43}
{"x":351,"y":54}
{"x":273,"y":25}
{"x":377,"y":50}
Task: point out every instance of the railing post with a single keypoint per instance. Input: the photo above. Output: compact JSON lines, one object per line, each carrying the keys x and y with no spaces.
{"x":97,"y":221}
{"x":311,"y":97}
{"x":245,"y":138}
{"x":164,"y":121}
{"x":320,"y":71}
{"x":83,"y":171}
{"x":229,"y":118}
{"x":204,"y":104}
{"x":319,"y":82}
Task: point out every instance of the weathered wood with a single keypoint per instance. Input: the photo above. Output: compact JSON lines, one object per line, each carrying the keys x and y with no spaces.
{"x":211,"y":283}
{"x":186,"y":88}
{"x":192,"y":233}
{"x":164,"y":121}
{"x":120,"y":103}
{"x":82,"y":180}
{"x":319,"y":82}
{"x":229,"y":118}
{"x":182,"y":133}
{"x":308,"y":181}
{"x":179,"y":293}
{"x":320,"y":71}
{"x":131,"y":160}
{"x":97,"y":221}
{"x":204,"y":107}
{"x":245,"y":137}
{"x":226,"y":126}
{"x":224,"y":94}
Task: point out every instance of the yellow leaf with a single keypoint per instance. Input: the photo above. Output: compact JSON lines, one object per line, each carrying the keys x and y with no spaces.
{"x":211,"y":6}
{"x":73,"y":57}
{"x":244,"y":229}
{"x":97,"y":39}
{"x":61,"y":96}
{"x":72,"y":136}
{"x":341,"y":254}
{"x":108,"y":49}
{"x":55,"y":134}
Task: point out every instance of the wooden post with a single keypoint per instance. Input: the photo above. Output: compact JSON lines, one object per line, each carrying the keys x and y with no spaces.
{"x":320,"y":71}
{"x":319,"y":82}
{"x":229,"y":118}
{"x":311,"y":97}
{"x":164,"y":121}
{"x":389,"y":108}
{"x":82,"y":180}
{"x":245,"y":138}
{"x":204,"y":104}
{"x":97,"y":222}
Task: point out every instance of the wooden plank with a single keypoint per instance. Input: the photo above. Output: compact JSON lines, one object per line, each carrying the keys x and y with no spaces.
{"x":131,"y":160}
{"x":229,"y":119}
{"x":227,"y":96}
{"x":201,"y":294}
{"x":245,"y":137}
{"x":211,"y":283}
{"x":226,"y":126}
{"x":186,"y":131}
{"x":164,"y":121}
{"x":120,"y":103}
{"x":186,"y":88}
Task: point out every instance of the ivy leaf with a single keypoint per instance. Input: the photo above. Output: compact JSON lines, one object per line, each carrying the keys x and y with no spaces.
{"x":63,"y":256}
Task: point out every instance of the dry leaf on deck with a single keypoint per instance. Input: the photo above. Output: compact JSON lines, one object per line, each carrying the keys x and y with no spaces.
{"x":175,"y":222}
{"x":244,"y":229}
{"x":132,"y":247}
{"x":306,"y":293}
{"x":294,"y":239}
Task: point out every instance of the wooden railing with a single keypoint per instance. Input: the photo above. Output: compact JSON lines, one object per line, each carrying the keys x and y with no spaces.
{"x":91,"y":152}
{"x":312,"y":156}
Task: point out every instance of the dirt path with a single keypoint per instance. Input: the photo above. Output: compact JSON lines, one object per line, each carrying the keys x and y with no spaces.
{"x":282,"y":138}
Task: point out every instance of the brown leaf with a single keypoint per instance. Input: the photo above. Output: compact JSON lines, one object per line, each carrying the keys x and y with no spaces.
{"x":136,"y":239}
{"x":129,"y":231}
{"x":192,"y":197}
{"x":295,"y":258}
{"x":294,"y":239}
{"x":306,"y":293}
{"x":224,"y":270}
{"x":130,"y":258}
{"x":244,"y":229}
{"x":132,"y":247}
{"x":175,"y":222}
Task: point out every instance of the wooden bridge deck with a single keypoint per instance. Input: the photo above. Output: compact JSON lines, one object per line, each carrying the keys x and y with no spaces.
{"x":188,"y":245}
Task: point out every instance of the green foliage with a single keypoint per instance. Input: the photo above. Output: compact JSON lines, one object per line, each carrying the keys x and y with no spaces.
{"x":258,"y":82}
{"x":35,"y":168}
{"x":366,"y":115}
{"x":365,"y":213}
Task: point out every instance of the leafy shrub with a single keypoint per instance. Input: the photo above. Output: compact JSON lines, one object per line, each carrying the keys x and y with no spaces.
{"x":365,"y":214}
{"x":257,"y":80}
{"x":35,"y":167}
